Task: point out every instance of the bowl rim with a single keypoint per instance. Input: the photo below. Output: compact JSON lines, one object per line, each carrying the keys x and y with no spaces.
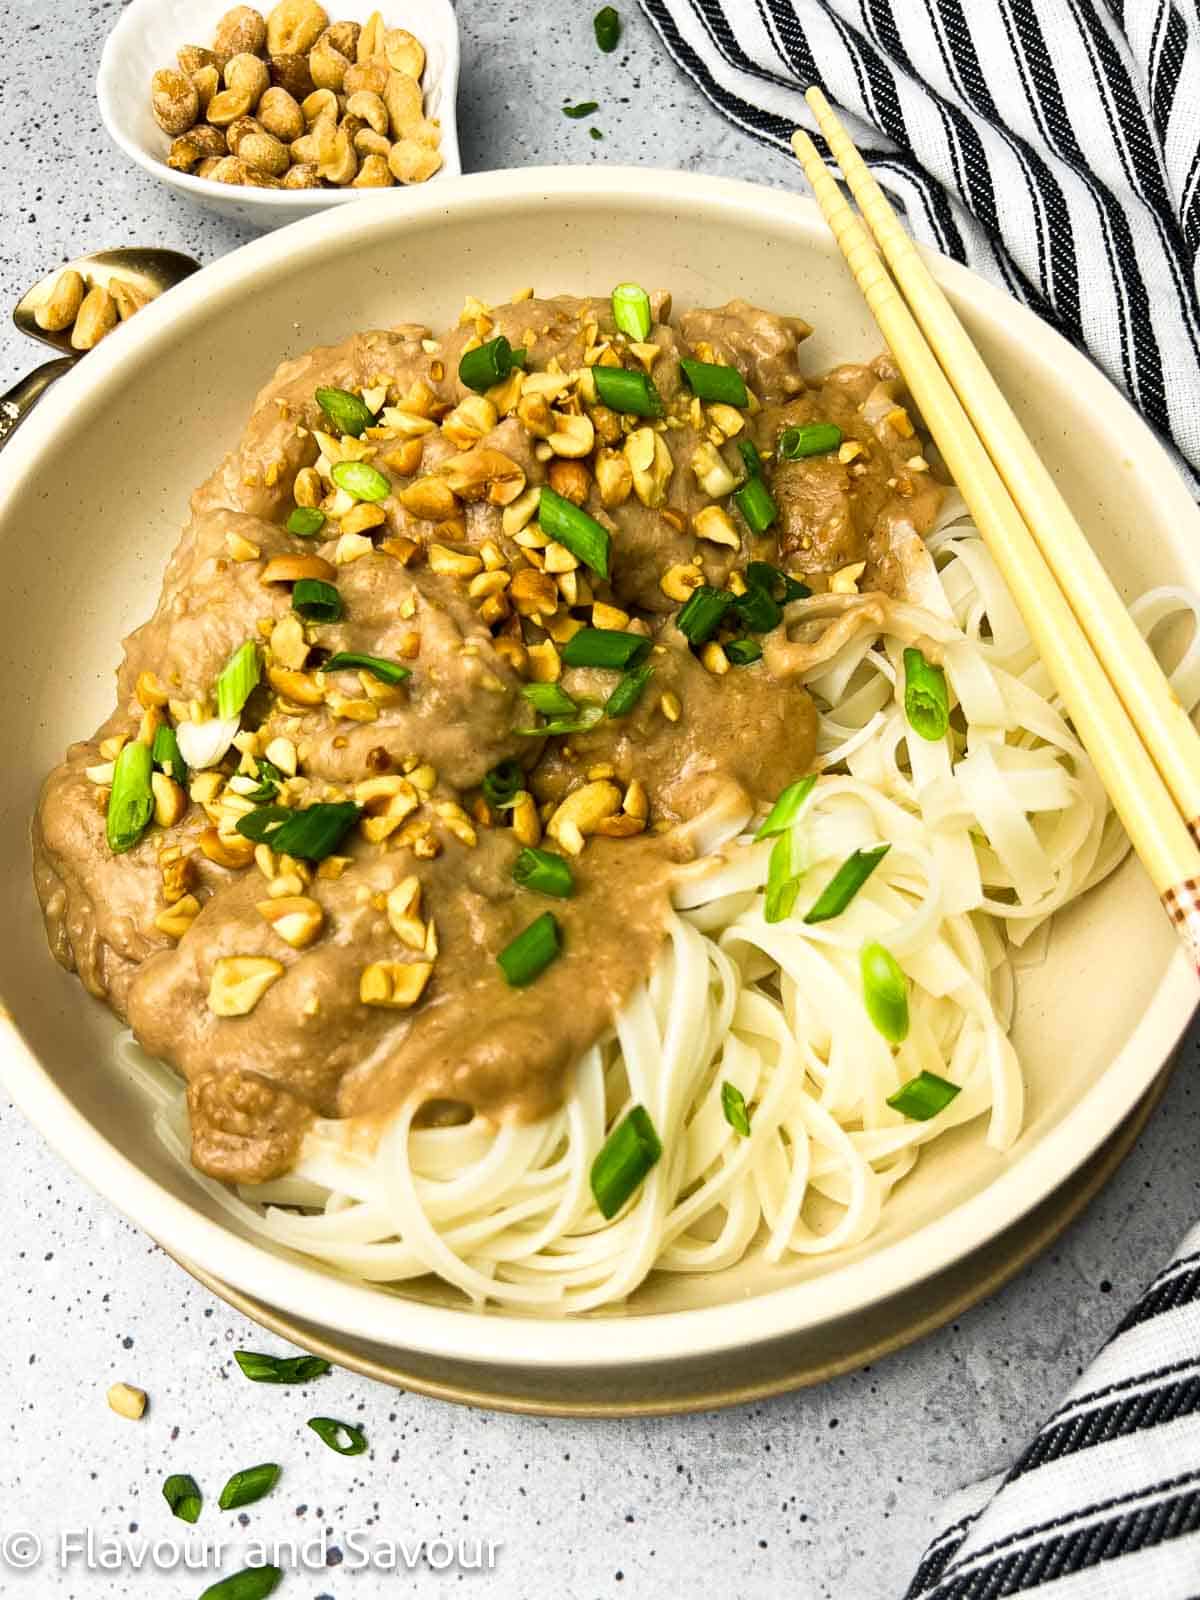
{"x":291,"y":1283}
{"x":285,"y":201}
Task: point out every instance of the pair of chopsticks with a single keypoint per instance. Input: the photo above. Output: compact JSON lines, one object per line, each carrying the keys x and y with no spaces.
{"x":1140,"y":739}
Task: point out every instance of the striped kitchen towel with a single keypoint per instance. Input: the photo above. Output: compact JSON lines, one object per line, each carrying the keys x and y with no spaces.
{"x":1051,"y":145}
{"x":1054,"y":147}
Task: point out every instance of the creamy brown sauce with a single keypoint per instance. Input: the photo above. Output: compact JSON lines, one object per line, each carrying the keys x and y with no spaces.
{"x":310,"y":1045}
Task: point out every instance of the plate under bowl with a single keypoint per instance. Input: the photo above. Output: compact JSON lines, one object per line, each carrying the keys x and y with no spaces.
{"x":93,"y":491}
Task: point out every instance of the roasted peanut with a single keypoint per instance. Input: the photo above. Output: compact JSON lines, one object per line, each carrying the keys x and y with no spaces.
{"x":206,"y":81}
{"x":714,"y":523}
{"x":571,"y":479}
{"x":226,"y":850}
{"x":289,"y":569}
{"x":581,"y":812}
{"x":246,"y":80}
{"x":61,"y":307}
{"x":411,"y":162}
{"x":337,"y":159}
{"x":295,"y":918}
{"x":533,"y":593}
{"x":370,"y":75}
{"x":328,"y":66}
{"x":174,"y":100}
{"x":97,"y":316}
{"x":242,"y":31}
{"x":280,"y":114}
{"x":402,"y":97}
{"x":238,"y":983}
{"x":404,"y":52}
{"x":303,"y":175}
{"x":370,"y":108}
{"x":432,"y":499}
{"x":192,"y":57}
{"x":396,"y":984}
{"x":196,"y":145}
{"x":370,"y":38}
{"x":264,"y":153}
{"x":343,"y":36}
{"x":294,"y":26}
{"x":291,"y":72}
{"x":238,"y":130}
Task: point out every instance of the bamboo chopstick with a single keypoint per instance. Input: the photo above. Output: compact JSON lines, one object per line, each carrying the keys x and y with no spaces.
{"x":1138,"y":792}
{"x":1165,"y":727}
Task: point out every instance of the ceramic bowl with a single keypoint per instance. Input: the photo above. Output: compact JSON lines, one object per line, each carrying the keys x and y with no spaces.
{"x":93,"y":492}
{"x":149,"y":33}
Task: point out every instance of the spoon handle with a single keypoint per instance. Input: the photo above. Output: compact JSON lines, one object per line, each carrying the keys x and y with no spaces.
{"x":20,"y":400}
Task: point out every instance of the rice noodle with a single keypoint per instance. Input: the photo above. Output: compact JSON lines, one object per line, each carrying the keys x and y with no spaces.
{"x":992,"y":830}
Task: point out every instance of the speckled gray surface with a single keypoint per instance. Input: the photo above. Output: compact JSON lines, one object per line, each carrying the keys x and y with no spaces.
{"x":822,"y":1494}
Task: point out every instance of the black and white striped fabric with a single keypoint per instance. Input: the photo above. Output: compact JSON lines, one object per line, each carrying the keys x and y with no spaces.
{"x":1054,"y":147}
{"x":1051,"y":145}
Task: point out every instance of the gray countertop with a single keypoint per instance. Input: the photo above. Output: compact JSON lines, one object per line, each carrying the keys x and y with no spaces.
{"x":824,"y":1493}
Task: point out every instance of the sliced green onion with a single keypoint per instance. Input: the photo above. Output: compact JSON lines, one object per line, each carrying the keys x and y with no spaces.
{"x":131,"y":800}
{"x":758,"y":610}
{"x":712,"y":382}
{"x":253,"y":1583}
{"x":924,"y":1096}
{"x":532,"y":951}
{"x":700,"y":615}
{"x":605,"y":647}
{"x":270,"y":781}
{"x":305,"y":521}
{"x":607,"y":24}
{"x":786,"y":810}
{"x":549,"y":699}
{"x":331,"y":1433}
{"x":311,"y":833}
{"x":628,"y":692}
{"x":544,"y":873}
{"x":621,"y":390}
{"x":360,"y":480}
{"x":778,"y":584}
{"x":182,"y":1494}
{"x":348,"y":413}
{"x":624,"y":1160}
{"x":809,"y":439}
{"x":733,"y":1104}
{"x":249,"y":1485}
{"x":784,"y":872}
{"x":631,"y":311}
{"x":583,"y":109}
{"x":743,"y":652}
{"x":585,"y":717}
{"x":503,"y":784}
{"x":754,"y":501}
{"x":316,"y":600}
{"x":237,"y":679}
{"x":378,"y":666}
{"x":595,"y":132}
{"x":520,"y":356}
{"x":166,"y":755}
{"x":260,"y":1368}
{"x":885,"y":991}
{"x":487,"y":364}
{"x":845,"y":883}
{"x":568,"y":525}
{"x":748,"y":451}
{"x":926,"y":697}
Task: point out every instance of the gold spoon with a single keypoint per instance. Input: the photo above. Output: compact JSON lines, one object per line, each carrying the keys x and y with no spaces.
{"x":147,"y":272}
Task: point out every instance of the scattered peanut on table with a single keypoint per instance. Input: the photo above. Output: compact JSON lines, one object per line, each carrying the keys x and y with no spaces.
{"x":294,"y":101}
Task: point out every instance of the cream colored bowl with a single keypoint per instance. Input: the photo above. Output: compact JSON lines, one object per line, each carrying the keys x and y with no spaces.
{"x":94,"y":491}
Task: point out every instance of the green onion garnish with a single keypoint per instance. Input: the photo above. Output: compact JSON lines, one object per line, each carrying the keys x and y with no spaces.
{"x":625,"y":1158}
{"x":784,"y":813}
{"x":583,"y":109}
{"x":378,"y":666}
{"x":924,"y":1096}
{"x":885,"y":992}
{"x":348,"y":413}
{"x":758,"y":610}
{"x":532,"y":951}
{"x":926,"y":697}
{"x":165,"y":754}
{"x":784,"y":872}
{"x":131,"y":801}
{"x":237,"y":679}
{"x":748,"y":451}
{"x":253,"y":1583}
{"x":270,"y":781}
{"x":360,"y":480}
{"x":544,"y":873}
{"x":487,"y":364}
{"x":846,"y":882}
{"x":260,"y":1368}
{"x":711,"y":382}
{"x":631,"y":311}
{"x":607,"y":24}
{"x":754,"y":501}
{"x":568,"y":525}
{"x":628,"y":692}
{"x":809,"y":439}
{"x":332,"y":1434}
{"x":743,"y":652}
{"x":605,"y":647}
{"x":550,"y":699}
{"x":305,"y":521}
{"x":584,"y":717}
{"x":621,"y":390}
{"x":733,"y":1104}
{"x":779,"y":585}
{"x":182,"y":1494}
{"x":503,"y":784}
{"x":700,"y":615}
{"x":249,"y":1485}
{"x":316,"y":600}
{"x":311,"y":833}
